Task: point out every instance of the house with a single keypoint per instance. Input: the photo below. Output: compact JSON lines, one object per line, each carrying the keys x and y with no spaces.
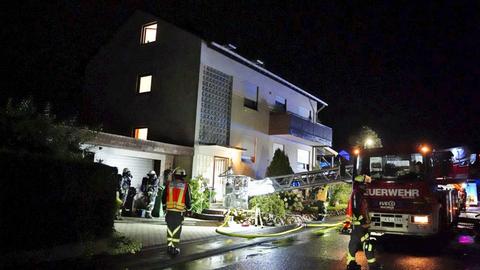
{"x":167,"y":98}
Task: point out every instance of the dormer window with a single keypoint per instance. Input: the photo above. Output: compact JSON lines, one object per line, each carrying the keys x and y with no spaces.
{"x":149,"y":33}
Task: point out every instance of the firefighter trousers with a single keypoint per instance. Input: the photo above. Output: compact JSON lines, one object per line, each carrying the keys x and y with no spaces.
{"x":174,"y":221}
{"x":360,"y":240}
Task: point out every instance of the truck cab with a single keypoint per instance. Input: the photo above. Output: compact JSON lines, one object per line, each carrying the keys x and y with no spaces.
{"x":405,"y":196}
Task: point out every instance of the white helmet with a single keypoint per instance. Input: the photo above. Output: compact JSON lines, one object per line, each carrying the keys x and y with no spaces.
{"x":180,"y":172}
{"x":152,"y":172}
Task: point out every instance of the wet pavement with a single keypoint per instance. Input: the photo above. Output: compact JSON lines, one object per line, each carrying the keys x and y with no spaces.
{"x":308,"y":251}
{"x":304,"y":250}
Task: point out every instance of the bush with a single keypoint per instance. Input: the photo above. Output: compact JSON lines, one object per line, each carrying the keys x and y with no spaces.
{"x":200,"y":194}
{"x":24,"y":129}
{"x":292,"y":200}
{"x":51,"y":201}
{"x":340,"y":193}
{"x":269,"y":205}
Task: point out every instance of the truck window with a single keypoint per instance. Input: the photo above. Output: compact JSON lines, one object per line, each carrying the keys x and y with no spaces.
{"x":396,"y":166}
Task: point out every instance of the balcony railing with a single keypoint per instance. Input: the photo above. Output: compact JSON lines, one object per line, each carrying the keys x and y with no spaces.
{"x":287,"y":123}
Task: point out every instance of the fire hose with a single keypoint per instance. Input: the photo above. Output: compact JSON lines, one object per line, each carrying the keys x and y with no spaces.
{"x":325,"y":227}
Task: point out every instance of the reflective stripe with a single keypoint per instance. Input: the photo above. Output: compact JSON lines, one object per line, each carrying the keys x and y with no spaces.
{"x":170,"y":197}
{"x":170,"y":233}
{"x":356,"y":223}
{"x":350,"y":257}
{"x":170,"y":238}
{"x":370,"y":246}
{"x":365,"y":237}
{"x":372,"y":260}
{"x":173,"y":240}
{"x":180,"y":197}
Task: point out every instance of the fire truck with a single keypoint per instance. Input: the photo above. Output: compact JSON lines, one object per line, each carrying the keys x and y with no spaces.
{"x":415,"y":192}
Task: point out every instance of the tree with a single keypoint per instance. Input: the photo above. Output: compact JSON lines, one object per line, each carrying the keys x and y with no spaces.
{"x":24,"y":129}
{"x":367,"y":138}
{"x":280,"y":164}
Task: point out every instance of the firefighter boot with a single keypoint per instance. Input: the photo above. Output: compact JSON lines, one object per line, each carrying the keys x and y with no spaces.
{"x":353,"y":265}
{"x":173,"y":251}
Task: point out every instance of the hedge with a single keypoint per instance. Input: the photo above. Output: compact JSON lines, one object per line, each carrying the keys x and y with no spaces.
{"x":50,"y":201}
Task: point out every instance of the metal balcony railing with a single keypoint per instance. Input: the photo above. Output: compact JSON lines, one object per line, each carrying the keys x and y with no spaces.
{"x":287,"y":123}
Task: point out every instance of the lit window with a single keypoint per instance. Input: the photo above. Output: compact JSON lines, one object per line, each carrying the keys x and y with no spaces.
{"x":303,"y":158}
{"x":141,"y":133}
{"x":145,"y":84}
{"x":149,"y":33}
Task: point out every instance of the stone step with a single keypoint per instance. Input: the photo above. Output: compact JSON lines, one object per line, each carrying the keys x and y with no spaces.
{"x":208,"y":216}
{"x":213,"y":211}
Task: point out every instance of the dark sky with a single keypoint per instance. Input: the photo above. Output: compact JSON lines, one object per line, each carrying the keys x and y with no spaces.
{"x":409,"y":70}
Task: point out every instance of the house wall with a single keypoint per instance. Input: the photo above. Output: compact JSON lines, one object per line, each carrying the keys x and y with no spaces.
{"x":169,"y":110}
{"x":249,"y":128}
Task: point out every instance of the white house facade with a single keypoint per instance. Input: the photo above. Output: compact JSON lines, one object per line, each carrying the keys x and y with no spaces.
{"x":167,"y":98}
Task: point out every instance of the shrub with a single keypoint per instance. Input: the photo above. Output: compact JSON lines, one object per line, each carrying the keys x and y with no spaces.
{"x":200,"y":194}
{"x":269,"y":204}
{"x":280,"y":165}
{"x":51,"y":201}
{"x":340,"y":193}
{"x":24,"y":129}
{"x":292,"y":200}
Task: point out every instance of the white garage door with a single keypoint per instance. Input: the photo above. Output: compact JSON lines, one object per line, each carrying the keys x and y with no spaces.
{"x":139,"y":167}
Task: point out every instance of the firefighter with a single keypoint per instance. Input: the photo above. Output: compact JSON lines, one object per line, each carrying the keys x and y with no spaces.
{"x":125,"y":183}
{"x":150,"y":189}
{"x":321,"y":199}
{"x":176,"y":197}
{"x":358,"y":217}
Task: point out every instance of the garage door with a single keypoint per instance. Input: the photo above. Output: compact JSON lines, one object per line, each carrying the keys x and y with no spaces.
{"x":139,"y":167}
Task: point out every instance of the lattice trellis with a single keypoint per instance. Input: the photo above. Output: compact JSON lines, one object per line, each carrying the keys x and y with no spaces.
{"x":216,"y":107}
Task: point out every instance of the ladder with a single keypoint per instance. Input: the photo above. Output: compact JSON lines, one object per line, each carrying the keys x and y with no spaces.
{"x":311,"y":178}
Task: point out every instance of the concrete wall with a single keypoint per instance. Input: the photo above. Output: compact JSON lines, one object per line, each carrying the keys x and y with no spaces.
{"x":168,"y":111}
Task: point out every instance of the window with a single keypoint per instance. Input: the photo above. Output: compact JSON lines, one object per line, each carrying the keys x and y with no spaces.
{"x":141,"y":133}
{"x":303,"y":159}
{"x":280,"y":104}
{"x":149,"y":33}
{"x":251,"y":96}
{"x":145,"y":84}
{"x":277,"y":146}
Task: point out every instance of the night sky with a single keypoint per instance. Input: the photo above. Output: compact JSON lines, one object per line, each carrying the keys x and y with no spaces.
{"x":408,"y":70}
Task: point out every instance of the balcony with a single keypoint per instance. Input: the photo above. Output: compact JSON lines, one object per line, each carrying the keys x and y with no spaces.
{"x":296,"y":128}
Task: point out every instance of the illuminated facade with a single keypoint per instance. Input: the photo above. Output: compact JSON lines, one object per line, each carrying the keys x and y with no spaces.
{"x":174,"y":88}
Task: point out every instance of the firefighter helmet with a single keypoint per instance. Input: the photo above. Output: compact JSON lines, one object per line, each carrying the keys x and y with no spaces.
{"x":126,"y":170}
{"x":363,"y":178}
{"x":152,"y":172}
{"x":179,"y":172}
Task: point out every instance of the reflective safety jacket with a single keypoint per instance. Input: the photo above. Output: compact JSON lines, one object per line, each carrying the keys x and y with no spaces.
{"x":176,"y":196}
{"x":357,"y":210}
{"x":322,"y":194}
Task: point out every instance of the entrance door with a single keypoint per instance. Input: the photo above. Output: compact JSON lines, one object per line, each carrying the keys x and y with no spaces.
{"x":220,"y":166}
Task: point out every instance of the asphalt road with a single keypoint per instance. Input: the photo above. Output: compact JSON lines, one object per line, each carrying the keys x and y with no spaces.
{"x":308,"y":251}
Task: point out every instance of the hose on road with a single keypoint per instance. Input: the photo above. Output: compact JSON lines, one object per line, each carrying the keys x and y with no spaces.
{"x":325,"y":227}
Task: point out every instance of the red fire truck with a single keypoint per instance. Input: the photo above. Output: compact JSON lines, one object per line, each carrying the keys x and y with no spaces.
{"x":414,"y":192}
